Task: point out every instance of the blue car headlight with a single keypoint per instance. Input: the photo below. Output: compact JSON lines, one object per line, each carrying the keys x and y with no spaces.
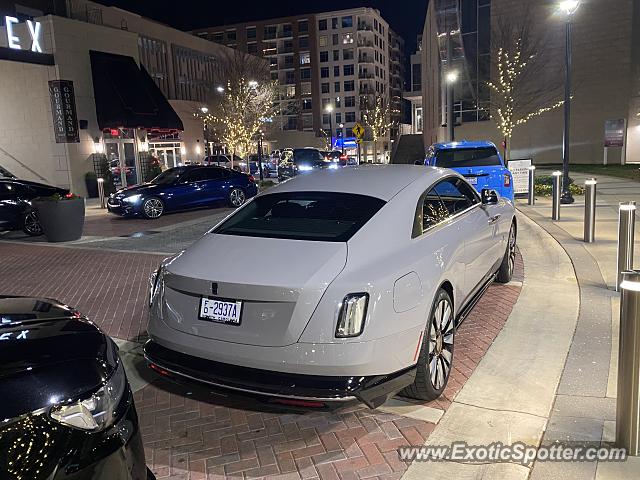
{"x":133,"y":199}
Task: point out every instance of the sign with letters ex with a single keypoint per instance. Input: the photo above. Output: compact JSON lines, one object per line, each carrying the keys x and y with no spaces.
{"x":63,"y":110}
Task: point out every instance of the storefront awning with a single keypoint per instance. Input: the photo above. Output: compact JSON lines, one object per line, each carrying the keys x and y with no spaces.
{"x":126,"y":96}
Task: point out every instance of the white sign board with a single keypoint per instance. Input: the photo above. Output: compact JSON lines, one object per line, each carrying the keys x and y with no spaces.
{"x":520,"y":171}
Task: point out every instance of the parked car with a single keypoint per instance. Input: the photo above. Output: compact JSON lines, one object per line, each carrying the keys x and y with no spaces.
{"x":67,"y":408}
{"x":303,"y":160}
{"x":268,"y":168}
{"x":479,"y":162}
{"x":383,"y":262}
{"x":183,"y":188}
{"x":16,"y":212}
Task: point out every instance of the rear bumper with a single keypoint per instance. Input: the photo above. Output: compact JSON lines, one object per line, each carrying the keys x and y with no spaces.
{"x":371,"y":390}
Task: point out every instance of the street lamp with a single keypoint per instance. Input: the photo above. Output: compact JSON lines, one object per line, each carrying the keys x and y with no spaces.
{"x":205,"y":131}
{"x":253,"y":84}
{"x":451,"y":78}
{"x":342,"y":136}
{"x":220,"y":89}
{"x":329,"y":110}
{"x":204,"y":110}
{"x":569,"y":7}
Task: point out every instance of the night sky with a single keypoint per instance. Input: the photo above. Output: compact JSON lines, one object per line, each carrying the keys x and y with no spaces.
{"x":405,"y":16}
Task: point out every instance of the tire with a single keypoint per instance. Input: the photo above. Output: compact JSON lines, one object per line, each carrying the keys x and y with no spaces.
{"x":152,"y":208}
{"x":436,"y":352}
{"x":30,"y":224}
{"x":505,"y":272}
{"x":237,"y":197}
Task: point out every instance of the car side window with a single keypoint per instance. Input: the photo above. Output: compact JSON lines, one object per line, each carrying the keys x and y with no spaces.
{"x":455,"y":195}
{"x":196,"y":175}
{"x":213,"y":173}
{"x":433,"y":210}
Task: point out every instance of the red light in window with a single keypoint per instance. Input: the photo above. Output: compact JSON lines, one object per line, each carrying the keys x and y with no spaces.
{"x":114,"y":132}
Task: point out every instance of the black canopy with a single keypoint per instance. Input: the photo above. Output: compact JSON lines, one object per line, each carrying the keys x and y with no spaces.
{"x":126,"y":96}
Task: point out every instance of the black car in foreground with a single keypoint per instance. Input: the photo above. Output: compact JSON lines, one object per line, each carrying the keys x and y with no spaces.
{"x":66,"y":408}
{"x":15,"y":204}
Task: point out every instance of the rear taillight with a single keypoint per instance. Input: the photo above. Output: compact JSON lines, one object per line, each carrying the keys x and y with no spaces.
{"x":507,"y":179}
{"x":251,"y":179}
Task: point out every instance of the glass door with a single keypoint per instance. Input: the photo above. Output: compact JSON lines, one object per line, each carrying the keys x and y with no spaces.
{"x":123,"y":164}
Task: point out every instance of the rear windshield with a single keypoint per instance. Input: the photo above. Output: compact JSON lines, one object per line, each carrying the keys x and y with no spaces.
{"x":307,"y":156}
{"x":467,"y":157}
{"x":319,"y":216}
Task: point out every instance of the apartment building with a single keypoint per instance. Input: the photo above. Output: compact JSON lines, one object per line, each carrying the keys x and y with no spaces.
{"x":328,"y":66}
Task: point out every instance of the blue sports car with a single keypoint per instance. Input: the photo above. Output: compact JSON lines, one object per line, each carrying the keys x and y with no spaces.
{"x":479,"y":162}
{"x":183,"y":188}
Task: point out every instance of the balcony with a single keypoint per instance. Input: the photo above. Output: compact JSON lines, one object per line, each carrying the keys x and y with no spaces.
{"x":365,"y":75}
{"x":364,"y":27}
{"x":365,"y":44}
{"x":365,"y":59}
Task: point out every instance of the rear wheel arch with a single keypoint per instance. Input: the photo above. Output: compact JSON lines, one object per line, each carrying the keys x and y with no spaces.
{"x":448,"y":287}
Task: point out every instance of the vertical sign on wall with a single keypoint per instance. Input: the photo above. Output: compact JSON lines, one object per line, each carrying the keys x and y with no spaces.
{"x":520,"y":171}
{"x":63,"y":109}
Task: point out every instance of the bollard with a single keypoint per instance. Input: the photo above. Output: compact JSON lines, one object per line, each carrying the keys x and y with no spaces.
{"x":556,"y":192}
{"x":590,"y":210}
{"x":628,"y":401}
{"x":626,"y":232}
{"x":532,"y":185}
{"x":101,"y":191}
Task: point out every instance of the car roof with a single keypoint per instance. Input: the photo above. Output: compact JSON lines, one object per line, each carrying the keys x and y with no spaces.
{"x":464,"y":144}
{"x":381,"y":181}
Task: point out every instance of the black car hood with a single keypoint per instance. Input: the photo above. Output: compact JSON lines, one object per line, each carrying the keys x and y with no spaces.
{"x":48,"y":354}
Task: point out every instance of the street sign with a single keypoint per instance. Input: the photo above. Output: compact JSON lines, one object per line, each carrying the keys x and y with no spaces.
{"x":358,"y":130}
{"x":614,"y":133}
{"x":358,"y":140}
{"x":520,"y":172}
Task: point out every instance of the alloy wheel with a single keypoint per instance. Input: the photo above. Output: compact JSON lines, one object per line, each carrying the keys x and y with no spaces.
{"x":512,"y":251}
{"x":441,"y":334}
{"x":153,"y":208}
{"x":32,"y":224}
{"x":237,"y":197}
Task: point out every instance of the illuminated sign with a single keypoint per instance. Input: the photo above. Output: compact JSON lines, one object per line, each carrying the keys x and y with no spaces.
{"x":35,"y":32}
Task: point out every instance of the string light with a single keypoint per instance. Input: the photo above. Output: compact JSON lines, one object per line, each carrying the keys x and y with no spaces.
{"x":376,"y":117}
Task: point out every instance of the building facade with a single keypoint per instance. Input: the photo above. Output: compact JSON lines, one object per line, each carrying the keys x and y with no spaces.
{"x":328,"y":65}
{"x":97,"y":82}
{"x":606,"y":58}
{"x":414,"y":89}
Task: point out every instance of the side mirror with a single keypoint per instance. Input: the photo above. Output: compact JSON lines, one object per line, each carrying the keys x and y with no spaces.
{"x":419,"y":162}
{"x":489,"y":197}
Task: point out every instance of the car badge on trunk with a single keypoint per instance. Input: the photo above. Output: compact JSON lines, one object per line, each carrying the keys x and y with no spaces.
{"x":214,"y":288}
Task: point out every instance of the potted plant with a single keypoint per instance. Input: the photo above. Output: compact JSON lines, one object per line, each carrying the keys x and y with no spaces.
{"x":61,"y":216}
{"x":91,"y":181}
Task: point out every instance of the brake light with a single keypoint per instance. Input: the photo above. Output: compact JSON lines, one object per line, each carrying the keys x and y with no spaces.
{"x":343,"y":157}
{"x":507,"y":179}
{"x":159,"y":370}
{"x":69,"y":195}
{"x":251,"y":179}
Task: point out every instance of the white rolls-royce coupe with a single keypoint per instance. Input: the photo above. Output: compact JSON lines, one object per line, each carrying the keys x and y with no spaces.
{"x":333,"y":286}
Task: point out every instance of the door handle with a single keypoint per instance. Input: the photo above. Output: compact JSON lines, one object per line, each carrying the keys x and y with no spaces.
{"x":495,"y":218}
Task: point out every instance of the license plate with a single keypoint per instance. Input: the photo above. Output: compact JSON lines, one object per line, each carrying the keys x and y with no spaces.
{"x":472,"y":180}
{"x":221,"y":311}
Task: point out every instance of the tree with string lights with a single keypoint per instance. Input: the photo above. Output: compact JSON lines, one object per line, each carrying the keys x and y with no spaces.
{"x":239,"y":108}
{"x":524,"y":82}
{"x":376,"y":117}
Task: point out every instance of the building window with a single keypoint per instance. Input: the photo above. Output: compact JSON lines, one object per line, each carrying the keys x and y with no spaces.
{"x":350,"y":117}
{"x":338,"y":118}
{"x":324,"y":87}
{"x":289,"y":92}
{"x":347,"y":54}
{"x":231,"y":35}
{"x":303,"y":42}
{"x":218,"y":37}
{"x":326,"y":118}
{"x":324,"y":72}
{"x":347,"y":38}
{"x":303,"y":25}
{"x":336,"y":87}
{"x":251,"y":32}
{"x":252,"y":48}
{"x":337,"y":102}
{"x":336,"y":71}
{"x":287,"y":30}
{"x":288,"y":61}
{"x":336,"y":55}
{"x":307,"y":104}
{"x":336,"y":39}
{"x":324,"y":56}
{"x":416,"y":77}
{"x":349,"y":101}
{"x":291,"y":124}
{"x":334,"y":22}
{"x":305,"y":58}
{"x":307,"y":122}
{"x":305,"y":74}
{"x":305,"y":88}
{"x":290,"y":78}
{"x":347,"y":22}
{"x":153,"y":55}
{"x":323,"y":41}
{"x":270,"y":32}
{"x":325,"y":103}
{"x":349,"y":86}
{"x":322,"y":24}
{"x":348,"y":70}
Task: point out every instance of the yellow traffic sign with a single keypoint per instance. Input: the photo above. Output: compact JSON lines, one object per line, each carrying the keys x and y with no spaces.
{"x":358,"y":140}
{"x":358,"y":130}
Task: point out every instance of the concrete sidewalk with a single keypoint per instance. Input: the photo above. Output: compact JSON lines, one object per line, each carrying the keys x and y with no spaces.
{"x":584,"y":408}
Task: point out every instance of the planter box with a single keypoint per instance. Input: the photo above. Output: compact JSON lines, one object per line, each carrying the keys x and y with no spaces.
{"x":61,"y":220}
{"x":92,"y":187}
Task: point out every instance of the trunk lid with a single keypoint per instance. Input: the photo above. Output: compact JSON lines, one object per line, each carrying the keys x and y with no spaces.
{"x":278,"y":281}
{"x":485,"y":177}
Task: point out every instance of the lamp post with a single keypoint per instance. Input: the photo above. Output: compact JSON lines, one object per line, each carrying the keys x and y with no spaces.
{"x":205,"y":131}
{"x":329,"y":110}
{"x":342,"y":136}
{"x":451,"y":78}
{"x":569,"y":7}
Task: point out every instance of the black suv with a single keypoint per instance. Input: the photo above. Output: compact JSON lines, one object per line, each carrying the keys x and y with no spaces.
{"x":15,"y":204}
